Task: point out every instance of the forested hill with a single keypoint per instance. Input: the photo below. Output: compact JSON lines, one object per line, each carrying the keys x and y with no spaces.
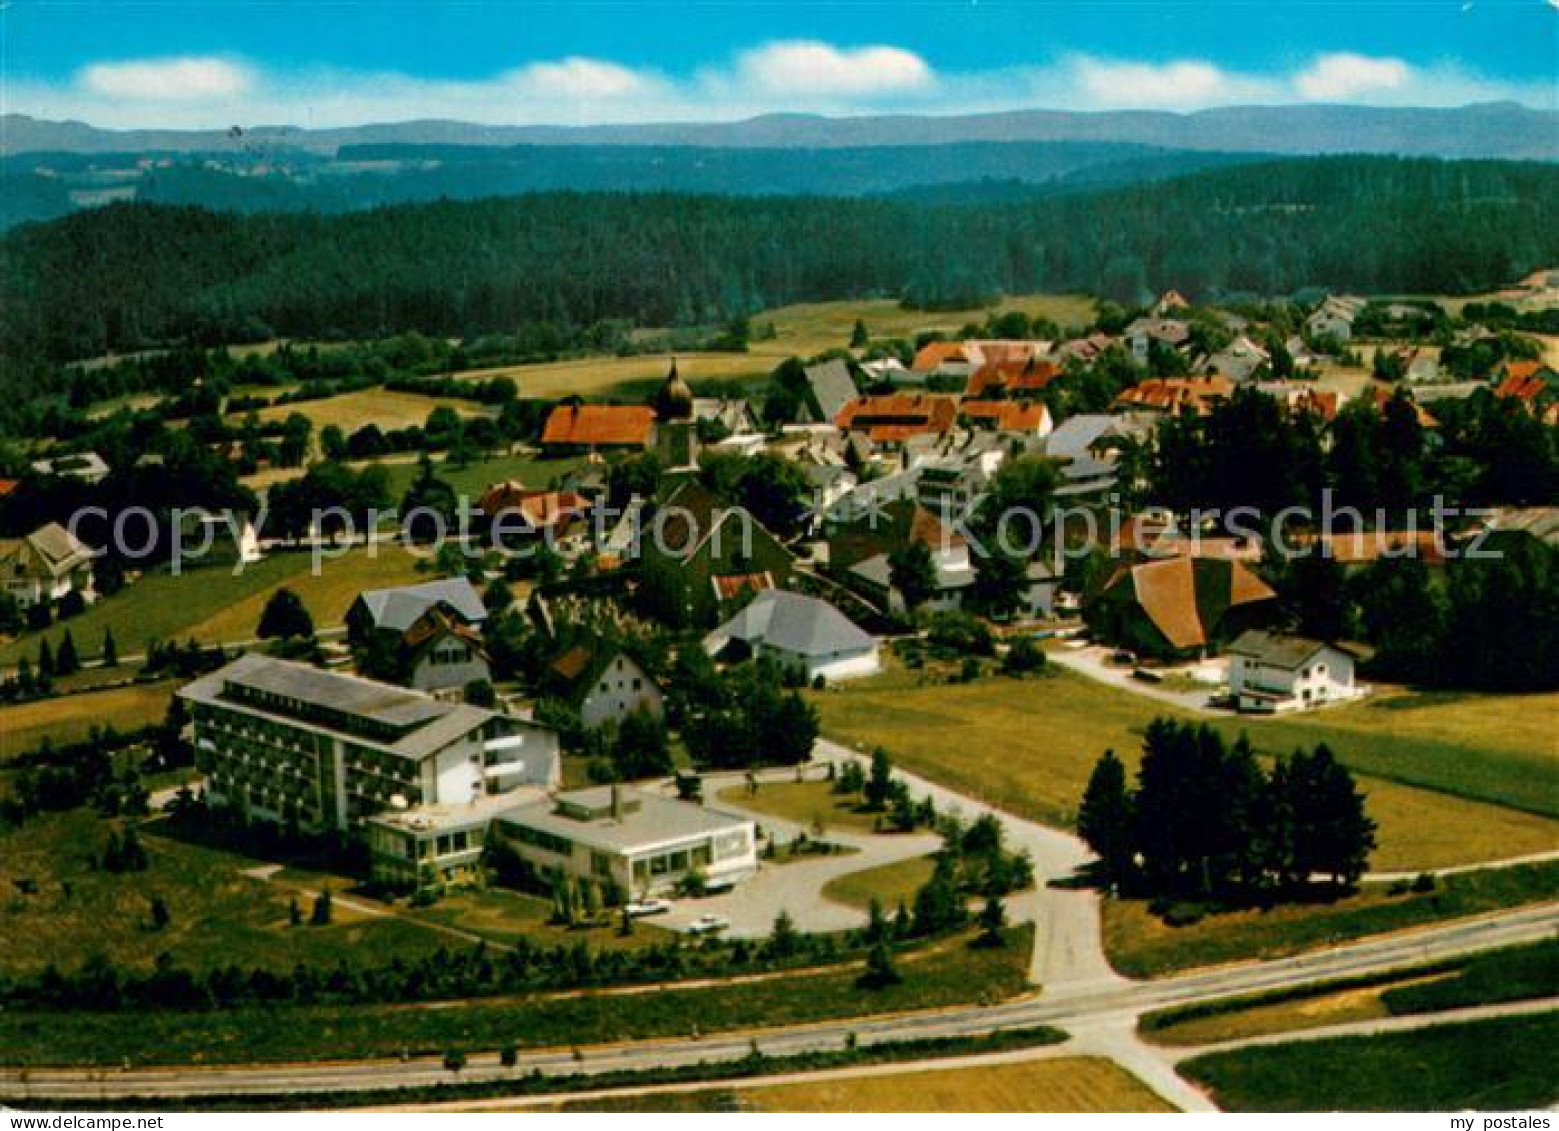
{"x":128,"y":276}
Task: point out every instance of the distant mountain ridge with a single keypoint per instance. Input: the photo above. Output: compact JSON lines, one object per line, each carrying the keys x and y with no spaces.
{"x":1496,"y":130}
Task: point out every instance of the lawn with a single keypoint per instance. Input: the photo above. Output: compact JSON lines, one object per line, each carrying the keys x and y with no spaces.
{"x":351,"y":411}
{"x":1140,"y":945}
{"x":326,"y":594}
{"x":1029,"y":745}
{"x":213,"y":605}
{"x":1498,"y":748}
{"x":70,"y":718}
{"x":1517,"y":973}
{"x":1496,"y":1065}
{"x":1066,"y":1084}
{"x":634,"y":377}
{"x":804,"y":804}
{"x":808,"y":329}
{"x":944,"y":974}
{"x":506,"y":917}
{"x":476,"y":477}
{"x":218,"y":915}
{"x":888,"y":884}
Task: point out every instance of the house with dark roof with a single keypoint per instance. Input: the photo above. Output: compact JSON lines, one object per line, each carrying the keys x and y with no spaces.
{"x":860,"y":554}
{"x":1272,"y":672}
{"x":829,"y":387}
{"x":396,"y":610}
{"x":441,"y":653}
{"x":1179,"y":607}
{"x":604,"y":684}
{"x":805,"y":634}
{"x":44,"y":566}
{"x":690,"y":542}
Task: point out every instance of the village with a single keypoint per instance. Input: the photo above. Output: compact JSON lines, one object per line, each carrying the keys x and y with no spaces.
{"x":825,"y":663}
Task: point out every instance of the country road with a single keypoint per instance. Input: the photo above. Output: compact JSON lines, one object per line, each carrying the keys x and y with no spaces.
{"x":1080,"y":993}
{"x":1081,"y":1008}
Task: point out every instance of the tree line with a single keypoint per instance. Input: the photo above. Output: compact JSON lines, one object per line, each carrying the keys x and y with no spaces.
{"x":1205,"y":820}
{"x":472,"y":268}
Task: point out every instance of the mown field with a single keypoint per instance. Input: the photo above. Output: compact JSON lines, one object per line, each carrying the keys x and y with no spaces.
{"x":1498,"y":1065}
{"x":351,"y":411}
{"x":1029,"y":745}
{"x":1064,"y":1084}
{"x":1517,"y":973}
{"x":941,"y":975}
{"x":1141,"y":945}
{"x":70,"y":718}
{"x":806,"y":804}
{"x":888,"y":884}
{"x":212,"y":605}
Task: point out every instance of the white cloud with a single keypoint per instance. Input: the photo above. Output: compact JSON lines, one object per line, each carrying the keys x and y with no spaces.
{"x":810,"y":67}
{"x":577,"y":78}
{"x":166,"y":80}
{"x":1168,"y":86}
{"x":796,"y":76}
{"x":1344,"y":76}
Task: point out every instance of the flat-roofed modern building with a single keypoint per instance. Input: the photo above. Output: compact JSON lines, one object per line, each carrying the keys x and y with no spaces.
{"x":640,"y":842}
{"x":289,"y":743}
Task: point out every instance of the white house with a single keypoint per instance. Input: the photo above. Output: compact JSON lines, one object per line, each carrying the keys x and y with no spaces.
{"x":799,"y":632}
{"x":1334,"y":317}
{"x":45,"y":566}
{"x":1270,"y":672}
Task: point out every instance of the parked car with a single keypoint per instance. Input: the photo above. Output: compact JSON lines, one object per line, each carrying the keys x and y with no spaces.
{"x":707,"y":925}
{"x":648,"y":907}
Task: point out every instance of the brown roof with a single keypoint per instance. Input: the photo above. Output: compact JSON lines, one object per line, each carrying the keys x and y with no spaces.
{"x":437,"y":622}
{"x":1174,"y":394}
{"x":1012,"y":376}
{"x":573,"y":663}
{"x":8,"y":485}
{"x":933,"y":354}
{"x":591,"y":426}
{"x":1007,"y":416}
{"x":732,"y":585}
{"x":1167,"y":592}
{"x":895,"y":417}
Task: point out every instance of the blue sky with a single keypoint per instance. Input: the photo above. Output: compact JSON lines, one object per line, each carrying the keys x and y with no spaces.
{"x":129,"y":62}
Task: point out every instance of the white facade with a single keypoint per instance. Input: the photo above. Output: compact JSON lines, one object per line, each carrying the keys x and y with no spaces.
{"x":1264,"y":685}
{"x":850,"y":663}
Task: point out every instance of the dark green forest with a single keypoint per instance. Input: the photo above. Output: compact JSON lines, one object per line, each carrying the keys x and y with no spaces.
{"x":125,"y":277}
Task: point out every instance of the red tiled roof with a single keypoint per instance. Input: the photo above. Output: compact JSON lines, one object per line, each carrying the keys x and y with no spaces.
{"x":591,"y":426}
{"x":1525,"y":381}
{"x":934,"y":354}
{"x":1011,"y":376}
{"x":732,"y":585}
{"x":1174,"y":394}
{"x":1166,"y":591}
{"x":896,"y":416}
{"x":1008,"y":416}
{"x":8,"y":485}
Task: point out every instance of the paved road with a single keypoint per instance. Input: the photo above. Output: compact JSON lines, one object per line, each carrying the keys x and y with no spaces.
{"x":1092,"y":660}
{"x":1084,"y":1008}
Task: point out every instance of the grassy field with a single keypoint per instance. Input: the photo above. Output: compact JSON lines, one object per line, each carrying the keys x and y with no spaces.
{"x":1049,"y":732}
{"x":942,"y":975}
{"x":1141,"y":945}
{"x":799,"y":331}
{"x":1289,"y":1014}
{"x":1067,"y":1084}
{"x":351,"y":411}
{"x":889,"y":884}
{"x":327,"y":594}
{"x":810,"y":328}
{"x":1518,"y":973}
{"x":1494,"y":1065}
{"x":218,"y":914}
{"x":1498,"y":748}
{"x":621,"y":377}
{"x":804,"y":803}
{"x":214,"y":606}
{"x":70,"y":718}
